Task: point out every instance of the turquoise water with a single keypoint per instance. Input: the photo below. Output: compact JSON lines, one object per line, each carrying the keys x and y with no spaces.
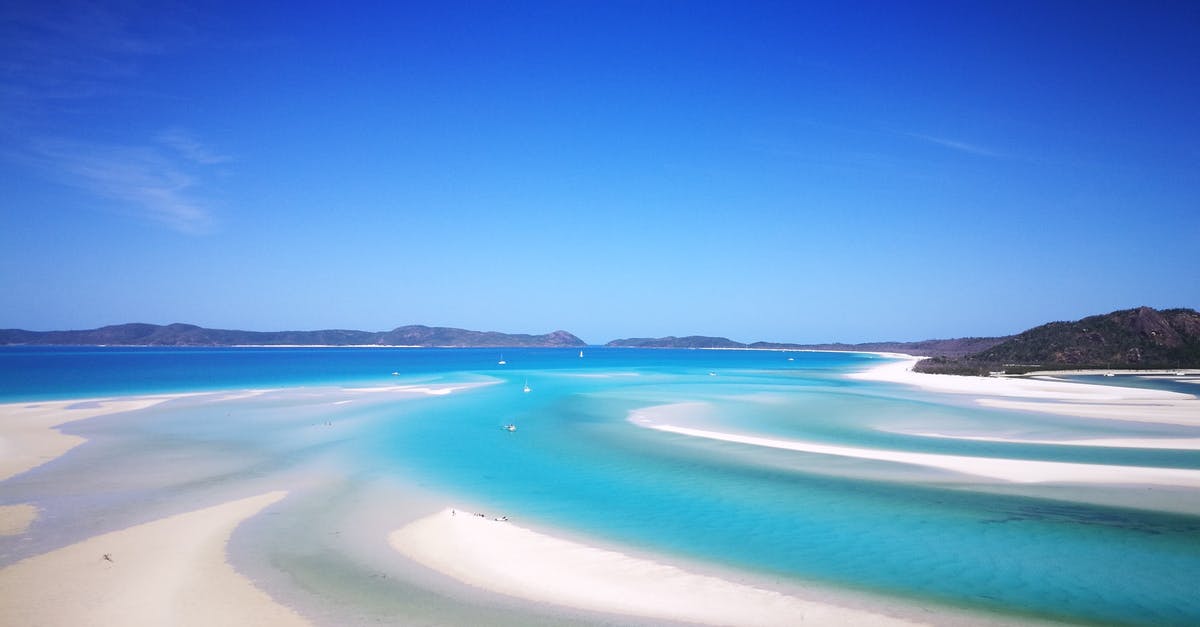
{"x":576,"y":462}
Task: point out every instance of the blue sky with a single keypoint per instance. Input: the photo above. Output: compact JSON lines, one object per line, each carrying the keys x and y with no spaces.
{"x":775,"y":171}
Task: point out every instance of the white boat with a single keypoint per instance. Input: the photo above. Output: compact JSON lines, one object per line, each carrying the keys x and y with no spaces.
{"x":502,"y":362}
{"x":527,"y":388}
{"x":581,"y":353}
{"x":510,"y":427}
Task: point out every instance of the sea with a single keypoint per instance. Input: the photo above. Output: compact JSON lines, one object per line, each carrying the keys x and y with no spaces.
{"x":574,"y":461}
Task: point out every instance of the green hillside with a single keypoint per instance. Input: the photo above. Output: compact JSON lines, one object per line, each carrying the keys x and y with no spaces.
{"x":1142,"y":338}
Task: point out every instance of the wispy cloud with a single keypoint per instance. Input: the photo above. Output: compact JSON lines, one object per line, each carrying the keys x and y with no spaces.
{"x":190,"y":148}
{"x":55,"y":59}
{"x":956,"y":145}
{"x":148,"y":181}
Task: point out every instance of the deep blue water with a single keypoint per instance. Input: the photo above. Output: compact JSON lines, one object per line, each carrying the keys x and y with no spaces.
{"x":29,"y":373}
{"x":577,"y":463}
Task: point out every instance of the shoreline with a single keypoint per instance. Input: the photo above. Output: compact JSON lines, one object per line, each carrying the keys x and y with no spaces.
{"x":179,"y":564}
{"x":30,"y":436}
{"x":1124,"y":372}
{"x":175,"y":566}
{"x":1047,"y":395}
{"x":913,"y":359}
{"x":497,"y":555}
{"x":556,"y":573}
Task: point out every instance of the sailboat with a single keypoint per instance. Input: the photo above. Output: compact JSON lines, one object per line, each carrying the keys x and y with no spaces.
{"x":502,"y":362}
{"x":581,"y":353}
{"x":527,"y":388}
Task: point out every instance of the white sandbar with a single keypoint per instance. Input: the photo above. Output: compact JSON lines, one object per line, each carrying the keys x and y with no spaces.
{"x":1067,"y":398}
{"x":29,"y":437}
{"x":502,"y":557}
{"x":28,"y":431}
{"x":1188,"y":444}
{"x":441,"y":389}
{"x":1011,"y":470}
{"x":166,"y":572}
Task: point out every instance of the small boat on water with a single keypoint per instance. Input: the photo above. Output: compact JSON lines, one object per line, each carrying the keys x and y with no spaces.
{"x":581,"y":353}
{"x":502,"y":362}
{"x":510,"y":427}
{"x":527,"y":388}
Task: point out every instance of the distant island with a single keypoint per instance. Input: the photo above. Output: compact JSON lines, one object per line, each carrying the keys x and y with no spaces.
{"x":138,"y":334}
{"x":948,"y":348}
{"x":1131,"y":339}
{"x":1141,"y":338}
{"x":691,"y":341}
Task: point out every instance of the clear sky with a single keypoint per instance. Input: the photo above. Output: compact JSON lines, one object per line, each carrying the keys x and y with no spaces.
{"x":765,"y":171}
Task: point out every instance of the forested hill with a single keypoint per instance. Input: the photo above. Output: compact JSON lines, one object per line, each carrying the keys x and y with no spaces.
{"x":691,"y":341}
{"x":138,"y":334}
{"x":1142,"y":338}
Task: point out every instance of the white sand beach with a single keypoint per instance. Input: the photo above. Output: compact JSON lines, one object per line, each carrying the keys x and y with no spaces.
{"x":29,"y":437}
{"x":166,"y":572}
{"x":1066,"y":398}
{"x":502,"y":557}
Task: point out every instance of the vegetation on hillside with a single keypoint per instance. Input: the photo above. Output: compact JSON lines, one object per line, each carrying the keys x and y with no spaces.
{"x":1142,"y":338}
{"x":139,"y":334}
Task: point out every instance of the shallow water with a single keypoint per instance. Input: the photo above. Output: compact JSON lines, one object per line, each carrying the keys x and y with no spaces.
{"x":576,"y":463}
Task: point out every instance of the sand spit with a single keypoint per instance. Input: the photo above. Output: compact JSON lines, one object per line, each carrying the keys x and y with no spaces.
{"x":166,"y":572}
{"x":499,"y":556}
{"x":1010,"y":470}
{"x":1183,"y":444}
{"x":1182,"y":412}
{"x":427,"y":390}
{"x":29,"y":437}
{"x":28,"y":431}
{"x":1068,"y":398}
